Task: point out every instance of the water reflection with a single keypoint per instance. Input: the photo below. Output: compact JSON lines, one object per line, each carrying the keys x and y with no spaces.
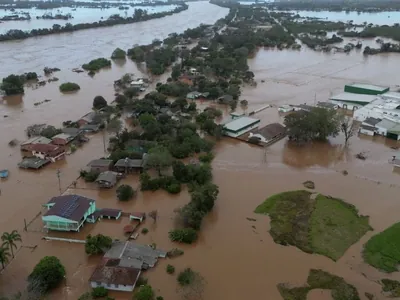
{"x":321,"y":154}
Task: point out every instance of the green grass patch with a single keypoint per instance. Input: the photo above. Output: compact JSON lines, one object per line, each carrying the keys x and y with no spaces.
{"x":335,"y":226}
{"x":382,"y":251}
{"x":324,"y":225}
{"x":391,"y":286}
{"x":318,"y":279}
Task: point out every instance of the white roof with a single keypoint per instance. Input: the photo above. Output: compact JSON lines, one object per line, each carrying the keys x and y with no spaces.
{"x":391,"y":95}
{"x":64,"y":136}
{"x":385,"y":123}
{"x":368,"y":86}
{"x":350,"y":97}
{"x":240,"y":123}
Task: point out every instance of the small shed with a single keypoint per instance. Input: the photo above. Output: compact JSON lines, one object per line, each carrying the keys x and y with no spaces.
{"x":107,"y":179}
{"x":366,"y":89}
{"x":100,"y":165}
{"x":139,"y":216}
{"x":110,"y":213}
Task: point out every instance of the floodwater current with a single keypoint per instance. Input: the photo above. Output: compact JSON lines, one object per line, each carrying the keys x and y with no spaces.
{"x":237,"y":260}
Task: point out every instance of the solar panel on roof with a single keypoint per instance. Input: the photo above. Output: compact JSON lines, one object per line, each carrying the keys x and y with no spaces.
{"x":70,"y":207}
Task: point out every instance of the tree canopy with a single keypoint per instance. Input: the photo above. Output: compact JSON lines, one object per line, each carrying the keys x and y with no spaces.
{"x":12,"y":85}
{"x":159,"y":158}
{"x":97,"y":244}
{"x":99,"y":102}
{"x":317,"y":124}
{"x":47,"y":274}
{"x":125,"y":192}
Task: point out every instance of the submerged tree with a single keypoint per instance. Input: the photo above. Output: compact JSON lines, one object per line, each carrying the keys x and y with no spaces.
{"x":159,"y":158}
{"x":47,"y":274}
{"x":4,"y":255}
{"x":348,"y":127}
{"x":9,"y":240}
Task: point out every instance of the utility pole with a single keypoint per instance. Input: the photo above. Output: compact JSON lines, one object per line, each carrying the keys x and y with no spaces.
{"x":59,"y":180}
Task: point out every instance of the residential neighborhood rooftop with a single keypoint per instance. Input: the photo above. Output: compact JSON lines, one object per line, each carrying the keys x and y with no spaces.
{"x":100,"y":162}
{"x":107,"y":176}
{"x":37,"y":140}
{"x":129,"y":163}
{"x":63,"y":136}
{"x":271,"y":130}
{"x":240,"y":123}
{"x":33,"y":163}
{"x":72,"y":207}
{"x":111,"y":273}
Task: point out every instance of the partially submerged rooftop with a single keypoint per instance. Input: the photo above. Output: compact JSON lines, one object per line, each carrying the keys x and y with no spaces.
{"x":355,"y":98}
{"x":100,"y":162}
{"x":33,"y":163}
{"x":72,"y":207}
{"x":134,"y":255}
{"x":36,"y":140}
{"x":240,"y":123}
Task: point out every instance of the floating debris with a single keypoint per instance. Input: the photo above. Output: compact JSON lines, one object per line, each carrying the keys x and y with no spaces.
{"x":4,"y":173}
{"x":361,"y":156}
{"x":13,"y":143}
{"x":309,"y":184}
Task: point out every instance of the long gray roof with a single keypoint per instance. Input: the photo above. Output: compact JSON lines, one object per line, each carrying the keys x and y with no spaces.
{"x":385,"y":123}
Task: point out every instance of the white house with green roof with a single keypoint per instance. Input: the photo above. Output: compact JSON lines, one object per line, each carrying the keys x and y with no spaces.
{"x":240,"y":126}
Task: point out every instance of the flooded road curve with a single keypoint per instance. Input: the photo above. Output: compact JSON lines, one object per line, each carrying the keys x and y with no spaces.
{"x":70,"y":50}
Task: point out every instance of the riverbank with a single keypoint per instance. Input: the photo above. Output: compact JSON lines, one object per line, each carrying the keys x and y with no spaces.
{"x":138,"y":16}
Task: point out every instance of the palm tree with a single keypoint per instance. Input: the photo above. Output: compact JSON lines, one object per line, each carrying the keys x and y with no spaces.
{"x":9,"y":240}
{"x":4,"y":255}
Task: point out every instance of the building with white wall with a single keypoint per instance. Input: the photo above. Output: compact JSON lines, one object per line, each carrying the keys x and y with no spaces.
{"x":239,"y":126}
{"x":386,"y":106}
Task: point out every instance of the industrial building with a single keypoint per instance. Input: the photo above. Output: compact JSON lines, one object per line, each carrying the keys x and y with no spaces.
{"x":366,"y":89}
{"x":239,"y":126}
{"x":385,"y":106}
{"x":351,"y":101}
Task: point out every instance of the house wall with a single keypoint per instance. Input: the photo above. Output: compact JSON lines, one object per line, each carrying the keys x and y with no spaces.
{"x":113,"y":287}
{"x":60,"y":224}
{"x":367,"y":132}
{"x":45,"y":156}
{"x":242,"y":131}
{"x":381,"y":130}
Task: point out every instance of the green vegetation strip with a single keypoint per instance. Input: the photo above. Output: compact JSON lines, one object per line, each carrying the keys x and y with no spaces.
{"x":318,"y":279}
{"x":323,"y":225}
{"x":382,"y":251}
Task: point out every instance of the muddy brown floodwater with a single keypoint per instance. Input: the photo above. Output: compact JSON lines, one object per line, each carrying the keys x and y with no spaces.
{"x":237,"y":261}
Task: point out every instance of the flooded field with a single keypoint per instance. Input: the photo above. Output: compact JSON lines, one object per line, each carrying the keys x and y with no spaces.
{"x":237,"y":261}
{"x":80,"y":15}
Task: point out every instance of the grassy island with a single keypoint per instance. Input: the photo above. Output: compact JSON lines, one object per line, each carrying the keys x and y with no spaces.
{"x":320,"y":224}
{"x":69,"y":87}
{"x":318,"y":279}
{"x":97,"y":64}
{"x":382,"y":251}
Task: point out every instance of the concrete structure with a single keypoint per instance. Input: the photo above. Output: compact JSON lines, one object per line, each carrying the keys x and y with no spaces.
{"x":27,"y":145}
{"x":240,"y":126}
{"x":100,"y":165}
{"x":384,"y":126}
{"x":48,"y":151}
{"x":327,"y":105}
{"x":107,"y":179}
{"x":368,"y":126}
{"x":288,"y":108}
{"x":384,"y":106}
{"x":236,"y":115}
{"x":68,"y":212}
{"x":122,"y":264}
{"x":366,"y":89}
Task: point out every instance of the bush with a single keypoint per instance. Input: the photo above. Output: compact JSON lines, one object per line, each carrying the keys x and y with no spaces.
{"x":173,"y":188}
{"x":186,"y":277}
{"x":170,"y":269}
{"x":125,"y":192}
{"x":99,"y":102}
{"x":159,"y":298}
{"x":141,"y":281}
{"x":90,"y":176}
{"x":99,"y":292}
{"x":118,"y":54}
{"x":206,"y":157}
{"x":47,"y":274}
{"x":69,"y":87}
{"x":12,"y":85}
{"x":185,"y":235}
{"x":85,"y":296}
{"x":144,"y":293}
{"x":175,"y":252}
{"x":97,"y":64}
{"x":145,"y":231}
{"x":97,"y":244}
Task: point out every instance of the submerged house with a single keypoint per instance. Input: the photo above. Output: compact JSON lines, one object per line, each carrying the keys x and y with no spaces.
{"x":368,"y":126}
{"x":27,"y":145}
{"x":107,"y":179}
{"x":267,"y":134}
{"x":48,"y":151}
{"x":122,"y":264}
{"x":62,"y":139}
{"x":68,"y":212}
{"x":127,"y":165}
{"x":100,"y":165}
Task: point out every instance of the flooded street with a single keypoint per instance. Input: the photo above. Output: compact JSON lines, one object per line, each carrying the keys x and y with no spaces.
{"x":237,"y":261}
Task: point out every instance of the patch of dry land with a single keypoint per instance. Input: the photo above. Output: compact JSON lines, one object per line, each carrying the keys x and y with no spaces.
{"x":314,"y":223}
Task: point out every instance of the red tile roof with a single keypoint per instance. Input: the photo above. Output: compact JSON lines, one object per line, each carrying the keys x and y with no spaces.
{"x":109,"y":272}
{"x":44,"y":148}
